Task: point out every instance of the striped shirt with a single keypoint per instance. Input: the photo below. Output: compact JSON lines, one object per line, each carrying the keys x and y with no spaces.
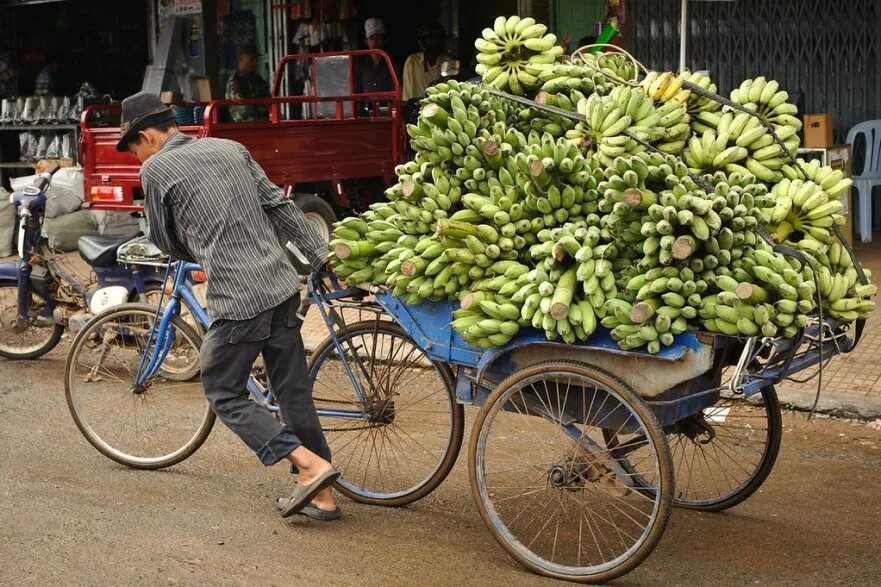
{"x":208,"y":201}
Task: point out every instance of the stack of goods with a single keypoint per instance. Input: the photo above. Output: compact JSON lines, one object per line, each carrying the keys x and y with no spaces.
{"x":647,"y":217}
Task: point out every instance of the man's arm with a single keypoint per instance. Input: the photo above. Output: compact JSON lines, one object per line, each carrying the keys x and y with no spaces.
{"x":409,"y":90}
{"x":161,"y":224}
{"x":286,"y":217}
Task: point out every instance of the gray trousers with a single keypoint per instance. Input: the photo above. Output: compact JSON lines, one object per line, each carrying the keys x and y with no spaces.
{"x":228,"y":352}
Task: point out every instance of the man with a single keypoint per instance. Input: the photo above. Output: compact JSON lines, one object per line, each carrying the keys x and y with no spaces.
{"x":373,"y":73}
{"x":208,"y":201}
{"x":246,"y":84}
{"x":424,"y":68}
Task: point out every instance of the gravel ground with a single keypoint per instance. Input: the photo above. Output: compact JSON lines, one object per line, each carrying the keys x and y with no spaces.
{"x":69,"y":515}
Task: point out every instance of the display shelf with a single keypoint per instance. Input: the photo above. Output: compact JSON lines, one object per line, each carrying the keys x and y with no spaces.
{"x":29,"y":127}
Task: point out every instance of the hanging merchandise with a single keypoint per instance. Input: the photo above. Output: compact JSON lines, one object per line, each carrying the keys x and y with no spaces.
{"x":66,"y":151}
{"x":347,"y":10}
{"x":28,"y":115}
{"x":26,"y":146}
{"x":194,"y":39}
{"x":42,"y":145}
{"x":6,"y":112}
{"x":53,"y":148}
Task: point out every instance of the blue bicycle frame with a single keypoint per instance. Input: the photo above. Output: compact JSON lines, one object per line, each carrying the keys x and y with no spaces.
{"x":162,"y":331}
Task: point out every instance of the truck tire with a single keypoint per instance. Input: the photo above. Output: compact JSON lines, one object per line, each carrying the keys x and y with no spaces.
{"x":318,"y":212}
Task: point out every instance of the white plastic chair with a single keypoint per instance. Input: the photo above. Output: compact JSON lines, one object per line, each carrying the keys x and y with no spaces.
{"x":869,"y":177}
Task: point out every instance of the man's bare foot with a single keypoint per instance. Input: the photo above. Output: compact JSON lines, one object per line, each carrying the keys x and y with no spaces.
{"x":324,"y":500}
{"x":310,"y":466}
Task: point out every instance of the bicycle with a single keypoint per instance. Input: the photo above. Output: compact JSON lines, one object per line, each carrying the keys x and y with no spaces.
{"x":388,"y":411}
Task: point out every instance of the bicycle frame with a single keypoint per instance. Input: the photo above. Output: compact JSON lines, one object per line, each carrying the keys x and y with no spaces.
{"x":162,"y":331}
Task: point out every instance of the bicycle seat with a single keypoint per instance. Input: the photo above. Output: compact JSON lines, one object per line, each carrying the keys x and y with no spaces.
{"x":99,"y":250}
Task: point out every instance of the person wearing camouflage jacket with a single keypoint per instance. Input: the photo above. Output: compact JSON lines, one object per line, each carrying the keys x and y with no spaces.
{"x":246,"y":84}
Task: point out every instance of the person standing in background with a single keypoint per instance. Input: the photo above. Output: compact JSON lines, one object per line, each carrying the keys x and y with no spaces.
{"x":247,"y":84}
{"x":373,"y":74}
{"x":424,"y":68}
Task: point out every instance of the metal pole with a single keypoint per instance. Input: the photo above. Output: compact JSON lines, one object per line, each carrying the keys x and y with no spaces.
{"x":683,"y":35}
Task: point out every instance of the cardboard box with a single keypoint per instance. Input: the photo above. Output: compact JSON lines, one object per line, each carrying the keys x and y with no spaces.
{"x":205,"y":91}
{"x":818,"y":130}
{"x":169,"y":97}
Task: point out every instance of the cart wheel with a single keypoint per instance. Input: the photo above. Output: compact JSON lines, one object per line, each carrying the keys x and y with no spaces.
{"x":406,"y":438}
{"x":547,"y":487}
{"x":724,"y":453}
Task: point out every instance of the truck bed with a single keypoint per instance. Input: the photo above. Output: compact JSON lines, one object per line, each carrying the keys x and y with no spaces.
{"x":323,"y":149}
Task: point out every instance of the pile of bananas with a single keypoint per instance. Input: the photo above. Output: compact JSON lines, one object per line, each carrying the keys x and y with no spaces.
{"x":644,"y":218}
{"x":513,"y":53}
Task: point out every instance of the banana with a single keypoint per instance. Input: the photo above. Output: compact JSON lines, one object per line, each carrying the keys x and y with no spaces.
{"x":542,"y":44}
{"x":499,"y":27}
{"x":768,"y":92}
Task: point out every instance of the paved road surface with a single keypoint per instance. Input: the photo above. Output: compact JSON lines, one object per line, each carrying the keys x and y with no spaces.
{"x":69,"y":515}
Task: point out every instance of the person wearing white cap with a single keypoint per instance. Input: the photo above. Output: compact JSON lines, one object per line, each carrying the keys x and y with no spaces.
{"x":373,"y":73}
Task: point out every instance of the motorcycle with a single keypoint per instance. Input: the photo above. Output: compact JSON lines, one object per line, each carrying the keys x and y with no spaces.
{"x":39,"y":297}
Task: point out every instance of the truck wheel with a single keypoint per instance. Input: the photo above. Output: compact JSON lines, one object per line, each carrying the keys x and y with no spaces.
{"x":318,"y":213}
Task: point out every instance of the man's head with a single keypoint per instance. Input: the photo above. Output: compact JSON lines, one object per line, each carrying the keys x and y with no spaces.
{"x":145,"y":125}
{"x":248,"y":58}
{"x":374,"y":32}
{"x":432,"y":38}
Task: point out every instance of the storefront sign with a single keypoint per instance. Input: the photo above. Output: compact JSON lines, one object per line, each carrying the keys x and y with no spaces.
{"x":184,"y":7}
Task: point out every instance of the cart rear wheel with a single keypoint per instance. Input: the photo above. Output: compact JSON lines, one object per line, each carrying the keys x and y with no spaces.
{"x":724,"y":453}
{"x":407,"y":436}
{"x":547,"y":487}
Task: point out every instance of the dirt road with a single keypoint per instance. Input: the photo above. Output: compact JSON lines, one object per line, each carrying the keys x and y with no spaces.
{"x":69,"y":515}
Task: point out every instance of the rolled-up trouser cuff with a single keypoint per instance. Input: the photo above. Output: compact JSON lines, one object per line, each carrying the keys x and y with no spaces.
{"x":278,"y":447}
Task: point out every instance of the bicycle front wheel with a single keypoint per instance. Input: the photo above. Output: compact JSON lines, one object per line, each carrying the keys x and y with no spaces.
{"x":400,"y":443}
{"x":151,"y":425}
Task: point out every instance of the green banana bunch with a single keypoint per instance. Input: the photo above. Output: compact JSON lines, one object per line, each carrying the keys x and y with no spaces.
{"x":514,"y":52}
{"x":711,"y":151}
{"x":803,"y":215}
{"x":842,"y":295}
{"x":832,"y":181}
{"x":608,"y":117}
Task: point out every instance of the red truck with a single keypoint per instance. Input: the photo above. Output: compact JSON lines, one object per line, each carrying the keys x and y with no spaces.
{"x":331,"y":148}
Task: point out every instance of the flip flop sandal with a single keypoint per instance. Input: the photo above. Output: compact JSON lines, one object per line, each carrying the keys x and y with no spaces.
{"x":303,"y":494}
{"x":312,"y":511}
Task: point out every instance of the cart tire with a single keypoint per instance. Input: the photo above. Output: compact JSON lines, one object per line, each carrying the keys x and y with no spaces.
{"x":598,"y":534}
{"x":319,"y":214}
{"x":417,"y":470}
{"x":712,"y":477}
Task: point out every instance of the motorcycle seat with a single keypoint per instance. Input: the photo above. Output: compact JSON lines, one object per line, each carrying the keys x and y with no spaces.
{"x":99,"y":250}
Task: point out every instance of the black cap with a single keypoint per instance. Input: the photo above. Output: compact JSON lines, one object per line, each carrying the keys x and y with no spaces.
{"x":248,"y":49}
{"x":140,"y":111}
